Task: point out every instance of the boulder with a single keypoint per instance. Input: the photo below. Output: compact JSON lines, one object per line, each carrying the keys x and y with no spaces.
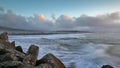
{"x":19,"y":48}
{"x":10,"y":64}
{"x":8,"y":45}
{"x":4,"y":36}
{"x":26,"y":66}
{"x":33,"y":50}
{"x":8,"y":57}
{"x":18,"y":54}
{"x":13,"y":44}
{"x":32,"y":55}
{"x":107,"y":66}
{"x":2,"y":49}
{"x":51,"y":59}
{"x":4,"y":40}
{"x":45,"y":65}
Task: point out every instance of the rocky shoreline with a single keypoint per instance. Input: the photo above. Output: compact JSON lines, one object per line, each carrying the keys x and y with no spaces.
{"x":12,"y":56}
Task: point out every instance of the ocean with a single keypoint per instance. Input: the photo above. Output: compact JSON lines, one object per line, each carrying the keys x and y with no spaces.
{"x":81,"y":50}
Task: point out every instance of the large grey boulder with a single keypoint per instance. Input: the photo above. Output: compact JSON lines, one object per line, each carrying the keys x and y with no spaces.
{"x":51,"y":59}
{"x":32,"y":55}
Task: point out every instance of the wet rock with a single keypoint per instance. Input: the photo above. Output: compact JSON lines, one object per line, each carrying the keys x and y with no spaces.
{"x":10,"y":64}
{"x":19,"y":48}
{"x":8,"y":57}
{"x":18,"y":54}
{"x":107,"y":66}
{"x":2,"y":49}
{"x":33,"y":50}
{"x":32,"y":55}
{"x":4,"y":36}
{"x":45,"y":65}
{"x":26,"y":66}
{"x":8,"y":45}
{"x":13,"y":44}
{"x":54,"y":61}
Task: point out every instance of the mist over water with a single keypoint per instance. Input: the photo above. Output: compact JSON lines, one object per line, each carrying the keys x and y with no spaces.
{"x":89,"y":50}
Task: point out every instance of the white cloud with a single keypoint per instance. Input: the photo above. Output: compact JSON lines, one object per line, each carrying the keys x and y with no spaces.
{"x":106,"y":22}
{"x":42,"y":17}
{"x":53,"y":19}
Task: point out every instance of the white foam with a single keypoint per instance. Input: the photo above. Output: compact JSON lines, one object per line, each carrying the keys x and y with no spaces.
{"x":91,"y":55}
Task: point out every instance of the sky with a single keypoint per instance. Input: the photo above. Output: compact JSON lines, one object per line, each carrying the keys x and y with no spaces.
{"x":60,"y":14}
{"x":58,"y":7}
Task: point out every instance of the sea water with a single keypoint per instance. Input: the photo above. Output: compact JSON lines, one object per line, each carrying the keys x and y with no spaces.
{"x":84,"y":50}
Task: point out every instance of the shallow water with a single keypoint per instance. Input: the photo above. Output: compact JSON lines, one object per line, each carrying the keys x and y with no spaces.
{"x":89,"y":50}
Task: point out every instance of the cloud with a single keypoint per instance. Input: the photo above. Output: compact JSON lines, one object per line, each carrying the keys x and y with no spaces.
{"x":53,"y":18}
{"x":66,"y":17}
{"x":1,"y":9}
{"x":10,"y":19}
{"x":105,"y":22}
{"x":42,"y":17}
{"x":65,"y":22}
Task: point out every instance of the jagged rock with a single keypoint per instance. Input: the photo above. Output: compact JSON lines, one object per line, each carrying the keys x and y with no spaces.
{"x":19,"y":48}
{"x":51,"y":59}
{"x":2,"y":49}
{"x":13,"y":44}
{"x":18,"y":54}
{"x":7,"y":44}
{"x":8,"y":57}
{"x":4,"y":40}
{"x":10,"y":64}
{"x":32,"y":55}
{"x":33,"y":50}
{"x":26,"y":66}
{"x":4,"y":36}
{"x":45,"y":65}
{"x":107,"y":66}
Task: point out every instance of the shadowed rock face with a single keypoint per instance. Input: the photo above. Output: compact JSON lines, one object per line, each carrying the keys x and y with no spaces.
{"x":10,"y":64}
{"x":19,"y":48}
{"x":107,"y":66}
